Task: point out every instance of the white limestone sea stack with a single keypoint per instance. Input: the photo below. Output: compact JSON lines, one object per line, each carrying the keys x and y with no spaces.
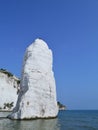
{"x":37,"y":97}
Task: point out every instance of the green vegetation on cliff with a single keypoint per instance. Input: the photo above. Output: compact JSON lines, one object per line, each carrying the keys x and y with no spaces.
{"x":61,"y":106}
{"x":6,"y":72}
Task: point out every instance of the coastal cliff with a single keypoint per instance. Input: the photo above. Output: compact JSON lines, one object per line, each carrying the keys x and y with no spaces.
{"x":9,"y":88}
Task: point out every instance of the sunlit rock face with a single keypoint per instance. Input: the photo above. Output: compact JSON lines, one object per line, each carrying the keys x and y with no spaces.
{"x":37,"y":97}
{"x":9,"y":88}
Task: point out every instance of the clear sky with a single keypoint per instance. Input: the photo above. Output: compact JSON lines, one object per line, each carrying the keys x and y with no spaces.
{"x":70,"y":27}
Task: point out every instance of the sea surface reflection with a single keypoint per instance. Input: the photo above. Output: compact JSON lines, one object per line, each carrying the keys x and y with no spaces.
{"x":40,"y":124}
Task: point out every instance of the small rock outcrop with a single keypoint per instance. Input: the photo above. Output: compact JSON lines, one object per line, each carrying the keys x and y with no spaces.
{"x":9,"y":88}
{"x":37,"y":96}
{"x":61,"y":106}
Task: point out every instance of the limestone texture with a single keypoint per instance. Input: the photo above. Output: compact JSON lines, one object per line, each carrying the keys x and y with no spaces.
{"x":37,"y":96}
{"x":9,"y":88}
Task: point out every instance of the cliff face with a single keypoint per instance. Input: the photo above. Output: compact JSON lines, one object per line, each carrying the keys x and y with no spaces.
{"x":37,"y":96}
{"x":9,"y":87}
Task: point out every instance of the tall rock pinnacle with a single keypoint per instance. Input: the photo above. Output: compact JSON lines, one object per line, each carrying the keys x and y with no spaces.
{"x":37,"y":97}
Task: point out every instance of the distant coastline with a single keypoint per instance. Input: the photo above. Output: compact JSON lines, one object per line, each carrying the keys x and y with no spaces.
{"x":61,"y":106}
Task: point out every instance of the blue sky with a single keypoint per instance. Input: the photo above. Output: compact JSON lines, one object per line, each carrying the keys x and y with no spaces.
{"x":70,"y":27}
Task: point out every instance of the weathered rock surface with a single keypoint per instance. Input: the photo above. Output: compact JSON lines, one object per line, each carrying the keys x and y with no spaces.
{"x":37,"y":97}
{"x":9,"y":87}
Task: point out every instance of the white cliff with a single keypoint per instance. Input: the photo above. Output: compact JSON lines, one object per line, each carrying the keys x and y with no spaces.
{"x":9,"y":87}
{"x":37,"y":97}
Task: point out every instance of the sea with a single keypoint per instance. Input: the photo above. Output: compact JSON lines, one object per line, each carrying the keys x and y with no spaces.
{"x":66,"y":120}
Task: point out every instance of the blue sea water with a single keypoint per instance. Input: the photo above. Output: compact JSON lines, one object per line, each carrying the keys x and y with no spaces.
{"x":66,"y":120}
{"x":78,"y":120}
